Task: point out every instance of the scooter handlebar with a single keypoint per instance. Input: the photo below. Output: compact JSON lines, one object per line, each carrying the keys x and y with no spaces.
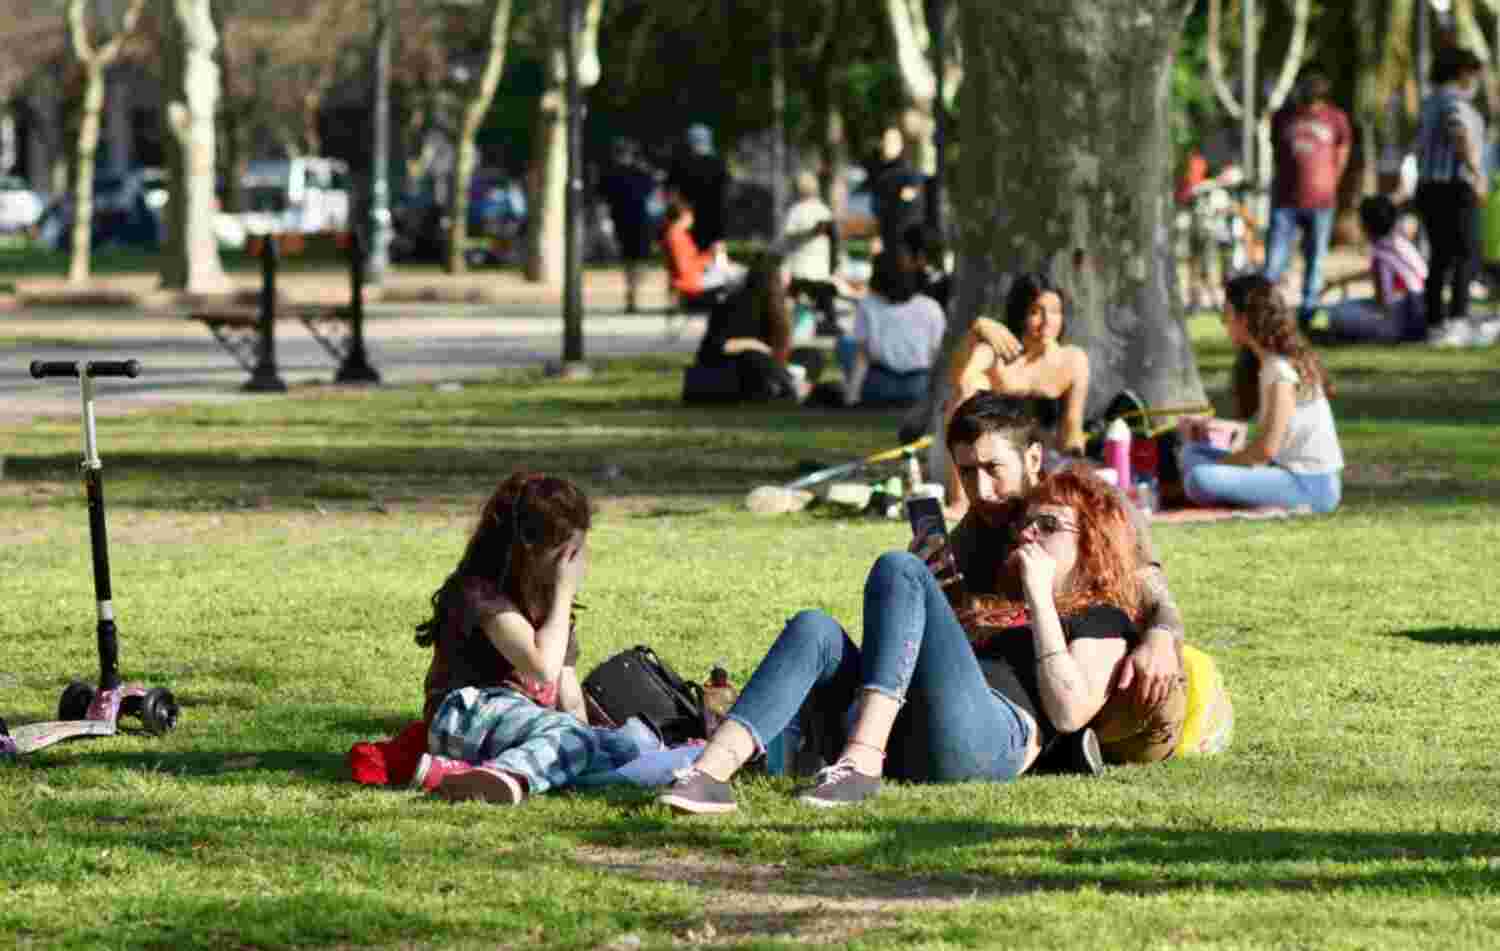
{"x":45,"y":368}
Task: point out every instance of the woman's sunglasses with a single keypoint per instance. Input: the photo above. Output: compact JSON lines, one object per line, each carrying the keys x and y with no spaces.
{"x":1046,"y":524}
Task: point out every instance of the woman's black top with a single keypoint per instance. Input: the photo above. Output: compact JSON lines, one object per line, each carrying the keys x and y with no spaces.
{"x":730,"y":318}
{"x":1008,"y":655}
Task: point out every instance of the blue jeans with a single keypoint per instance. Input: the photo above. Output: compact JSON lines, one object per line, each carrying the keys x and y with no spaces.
{"x":1209,"y":482}
{"x":952,"y":727}
{"x":881,"y":386}
{"x":503,"y":729}
{"x":1316,"y":225}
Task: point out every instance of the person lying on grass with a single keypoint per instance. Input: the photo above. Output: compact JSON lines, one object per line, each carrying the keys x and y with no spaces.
{"x":505,"y":713}
{"x":995,"y":446}
{"x":1294,"y":459}
{"x":1023,"y":356}
{"x":935,"y":698}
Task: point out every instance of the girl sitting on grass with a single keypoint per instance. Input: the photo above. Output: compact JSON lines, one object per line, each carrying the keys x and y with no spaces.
{"x":504,"y":710}
{"x":1294,"y":459}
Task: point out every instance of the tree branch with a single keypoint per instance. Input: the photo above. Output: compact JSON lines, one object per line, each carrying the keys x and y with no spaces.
{"x":1216,"y":65}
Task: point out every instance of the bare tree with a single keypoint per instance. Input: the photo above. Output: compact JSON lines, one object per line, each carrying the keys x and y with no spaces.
{"x":913,"y":39}
{"x":475,"y":107}
{"x":544,"y":257}
{"x":191,"y":87}
{"x":94,"y":59}
{"x":1285,"y":80}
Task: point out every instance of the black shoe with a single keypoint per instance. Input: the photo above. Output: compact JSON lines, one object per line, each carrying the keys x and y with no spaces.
{"x":840,"y":785}
{"x":1072,"y":754}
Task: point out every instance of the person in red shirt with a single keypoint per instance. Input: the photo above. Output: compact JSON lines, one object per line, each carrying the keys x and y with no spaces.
{"x":697,"y":274}
{"x":1311,"y":142}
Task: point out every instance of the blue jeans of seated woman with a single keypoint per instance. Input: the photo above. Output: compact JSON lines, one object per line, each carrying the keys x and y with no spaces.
{"x":881,"y":386}
{"x":952,"y":726}
{"x":1209,"y":482}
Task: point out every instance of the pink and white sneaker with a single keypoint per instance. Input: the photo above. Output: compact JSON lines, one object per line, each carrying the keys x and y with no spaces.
{"x":432,"y":770}
{"x":483,"y":782}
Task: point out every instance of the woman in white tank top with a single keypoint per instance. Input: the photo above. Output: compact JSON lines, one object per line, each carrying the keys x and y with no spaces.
{"x":1294,"y":459}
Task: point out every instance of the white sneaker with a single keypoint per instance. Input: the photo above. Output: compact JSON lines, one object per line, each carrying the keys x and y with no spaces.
{"x":1485,"y":332}
{"x":1454,"y":332}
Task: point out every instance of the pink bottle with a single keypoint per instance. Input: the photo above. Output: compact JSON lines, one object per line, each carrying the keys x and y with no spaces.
{"x":1117,"y":452}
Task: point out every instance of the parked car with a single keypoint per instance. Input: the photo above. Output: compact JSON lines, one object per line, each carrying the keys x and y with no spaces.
{"x":306,"y":195}
{"x":20,"y":206}
{"x":121,"y":215}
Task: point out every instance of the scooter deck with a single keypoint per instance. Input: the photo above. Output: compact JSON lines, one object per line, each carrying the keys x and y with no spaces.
{"x":30,"y":737}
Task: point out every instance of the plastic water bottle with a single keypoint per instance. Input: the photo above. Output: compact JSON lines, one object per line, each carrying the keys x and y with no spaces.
{"x":913,"y":472}
{"x":1117,"y":452}
{"x":719,"y":696}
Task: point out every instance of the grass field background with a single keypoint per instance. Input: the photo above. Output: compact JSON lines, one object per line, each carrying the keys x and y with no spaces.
{"x":270,"y":559}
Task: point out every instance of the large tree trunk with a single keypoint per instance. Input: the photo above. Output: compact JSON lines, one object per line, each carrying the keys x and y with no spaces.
{"x":191,"y":85}
{"x":473,"y":117}
{"x":544,"y":251}
{"x":1076,"y":179}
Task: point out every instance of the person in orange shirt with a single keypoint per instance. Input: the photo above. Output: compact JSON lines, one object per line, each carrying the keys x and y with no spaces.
{"x":698,"y":276}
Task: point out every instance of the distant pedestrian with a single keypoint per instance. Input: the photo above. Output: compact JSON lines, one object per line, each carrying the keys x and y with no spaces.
{"x":699,"y":178}
{"x":626,"y":187}
{"x":1312,"y":141}
{"x":898,"y":190}
{"x":1452,"y":182}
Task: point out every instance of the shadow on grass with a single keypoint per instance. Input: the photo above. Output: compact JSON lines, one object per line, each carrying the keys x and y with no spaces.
{"x":1145,"y":860}
{"x":1453,"y":635}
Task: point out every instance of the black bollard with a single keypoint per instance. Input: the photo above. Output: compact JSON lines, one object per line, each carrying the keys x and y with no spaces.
{"x":356,"y":366}
{"x":267,"y":378}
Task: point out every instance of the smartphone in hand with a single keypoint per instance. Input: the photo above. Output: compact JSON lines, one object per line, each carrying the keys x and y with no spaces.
{"x":927,"y":522}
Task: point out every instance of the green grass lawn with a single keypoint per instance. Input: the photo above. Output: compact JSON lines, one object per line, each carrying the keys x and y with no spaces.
{"x":270,"y":559}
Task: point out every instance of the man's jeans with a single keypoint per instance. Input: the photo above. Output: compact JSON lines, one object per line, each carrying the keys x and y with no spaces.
{"x":1316,"y":225}
{"x":952,"y":726}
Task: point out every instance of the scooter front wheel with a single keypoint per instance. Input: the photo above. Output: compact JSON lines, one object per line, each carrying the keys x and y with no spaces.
{"x":159,"y":710}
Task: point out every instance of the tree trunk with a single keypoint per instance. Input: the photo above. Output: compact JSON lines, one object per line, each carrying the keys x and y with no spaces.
{"x":473,"y":117}
{"x":191,"y":83}
{"x":1077,"y":180}
{"x":544,"y":251}
{"x":95,"y":60}
{"x":83,"y":172}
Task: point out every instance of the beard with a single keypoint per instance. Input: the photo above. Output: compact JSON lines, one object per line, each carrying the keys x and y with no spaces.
{"x":1002,"y":514}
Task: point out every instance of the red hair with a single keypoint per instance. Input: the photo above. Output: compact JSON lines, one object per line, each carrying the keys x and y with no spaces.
{"x":1107,"y":565}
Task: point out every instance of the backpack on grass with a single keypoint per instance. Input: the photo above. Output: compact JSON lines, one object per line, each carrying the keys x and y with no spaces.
{"x":635,"y":683}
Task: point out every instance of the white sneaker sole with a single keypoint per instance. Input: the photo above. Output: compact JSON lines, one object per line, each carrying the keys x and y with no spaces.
{"x":482,"y":784}
{"x":695,"y":807}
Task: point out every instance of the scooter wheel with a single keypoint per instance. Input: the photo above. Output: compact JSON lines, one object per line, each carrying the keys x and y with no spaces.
{"x":77,"y":697}
{"x":4,"y":729}
{"x":159,"y":710}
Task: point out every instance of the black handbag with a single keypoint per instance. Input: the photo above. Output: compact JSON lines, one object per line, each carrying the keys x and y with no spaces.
{"x":635,"y":683}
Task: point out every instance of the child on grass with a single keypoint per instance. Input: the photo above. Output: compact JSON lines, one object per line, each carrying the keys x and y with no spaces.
{"x":504,"y":710}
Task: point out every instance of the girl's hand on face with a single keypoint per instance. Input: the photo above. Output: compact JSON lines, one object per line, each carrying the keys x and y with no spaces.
{"x":1037,"y":568}
{"x":572,"y":563}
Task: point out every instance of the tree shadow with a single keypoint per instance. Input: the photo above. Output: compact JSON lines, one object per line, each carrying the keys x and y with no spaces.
{"x":1452,"y":635}
{"x":1136,"y":860}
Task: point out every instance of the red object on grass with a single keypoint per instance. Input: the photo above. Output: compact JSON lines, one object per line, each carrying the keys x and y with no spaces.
{"x":1144,"y":457}
{"x":389,"y":762}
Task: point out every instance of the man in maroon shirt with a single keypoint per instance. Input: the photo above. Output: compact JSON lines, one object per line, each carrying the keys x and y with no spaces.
{"x":1311,"y":142}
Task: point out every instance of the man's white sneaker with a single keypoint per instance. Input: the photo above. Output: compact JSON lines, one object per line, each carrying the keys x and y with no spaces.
{"x":1454,"y":332}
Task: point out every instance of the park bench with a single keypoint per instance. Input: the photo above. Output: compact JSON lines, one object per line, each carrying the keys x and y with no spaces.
{"x":249,"y":335}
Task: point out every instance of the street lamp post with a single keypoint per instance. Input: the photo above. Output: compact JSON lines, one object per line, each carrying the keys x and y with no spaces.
{"x":379,"y":256}
{"x":572,"y":355}
{"x":1247,"y":93}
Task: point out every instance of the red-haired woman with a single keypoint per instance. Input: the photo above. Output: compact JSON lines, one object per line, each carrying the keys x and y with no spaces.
{"x":949,"y":703}
{"x":504,"y":710}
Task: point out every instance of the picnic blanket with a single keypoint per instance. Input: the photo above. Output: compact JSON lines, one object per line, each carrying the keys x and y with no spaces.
{"x":1222,"y":513}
